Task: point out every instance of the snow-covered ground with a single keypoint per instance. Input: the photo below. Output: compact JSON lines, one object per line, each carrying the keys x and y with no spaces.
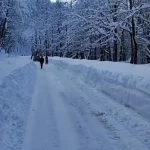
{"x":17,"y":80}
{"x":75,"y":105}
{"x":127,"y":84}
{"x":9,"y":64}
{"x":68,"y":112}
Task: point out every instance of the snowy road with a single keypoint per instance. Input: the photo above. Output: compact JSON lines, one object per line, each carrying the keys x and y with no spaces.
{"x":66,"y":114}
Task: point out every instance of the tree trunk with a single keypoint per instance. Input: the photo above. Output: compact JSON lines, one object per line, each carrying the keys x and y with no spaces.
{"x":134,"y":41}
{"x":134,"y":44}
{"x":115,"y":55}
{"x":3,"y":29}
{"x":95,"y":54}
{"x":115,"y":52}
{"x":132,"y":50}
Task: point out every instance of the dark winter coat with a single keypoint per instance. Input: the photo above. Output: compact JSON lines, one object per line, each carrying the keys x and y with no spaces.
{"x":41,"y":60}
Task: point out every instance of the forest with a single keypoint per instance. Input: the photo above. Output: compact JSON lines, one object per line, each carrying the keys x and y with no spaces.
{"x":104,"y":30}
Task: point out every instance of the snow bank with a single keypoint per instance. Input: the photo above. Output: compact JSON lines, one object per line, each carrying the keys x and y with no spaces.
{"x":6,"y":55}
{"x":15,"y":95}
{"x":2,"y":54}
{"x":127,"y":84}
{"x":9,"y":64}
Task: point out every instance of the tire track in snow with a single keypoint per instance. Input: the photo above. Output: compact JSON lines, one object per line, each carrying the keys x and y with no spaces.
{"x":91,"y":134}
{"x":41,"y":131}
{"x":68,"y":115}
{"x":130,"y":140}
{"x":80,"y":137}
{"x":131,"y":121}
{"x":67,"y":134}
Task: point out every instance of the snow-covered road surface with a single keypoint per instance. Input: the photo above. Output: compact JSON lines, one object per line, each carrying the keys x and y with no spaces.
{"x":67,"y":114}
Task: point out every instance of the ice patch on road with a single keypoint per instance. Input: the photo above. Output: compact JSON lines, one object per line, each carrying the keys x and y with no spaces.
{"x":15,"y":95}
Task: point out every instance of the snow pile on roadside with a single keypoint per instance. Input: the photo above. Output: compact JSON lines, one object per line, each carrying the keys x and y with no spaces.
{"x":2,"y":54}
{"x":15,"y":95}
{"x":127,"y":84}
{"x":9,"y":64}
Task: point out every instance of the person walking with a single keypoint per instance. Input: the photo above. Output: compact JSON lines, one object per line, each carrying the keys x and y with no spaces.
{"x":41,"y":61}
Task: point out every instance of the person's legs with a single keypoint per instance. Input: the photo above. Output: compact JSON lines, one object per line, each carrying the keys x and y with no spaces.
{"x":41,"y":65}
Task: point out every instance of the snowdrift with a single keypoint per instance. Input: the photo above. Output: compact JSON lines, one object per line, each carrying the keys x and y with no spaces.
{"x":125,"y":83}
{"x":15,"y":96}
{"x":9,"y":64}
{"x":3,"y":54}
